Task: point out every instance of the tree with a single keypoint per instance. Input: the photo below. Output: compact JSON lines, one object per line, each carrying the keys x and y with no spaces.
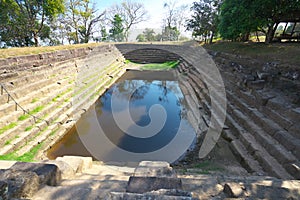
{"x":104,"y":35}
{"x":148,"y":35}
{"x":117,"y":30}
{"x":174,"y":19}
{"x":170,"y":34}
{"x":23,"y":23}
{"x":141,"y":38}
{"x":132,"y":13}
{"x":240,"y":17}
{"x":204,"y":20}
{"x":81,"y":20}
{"x":235,"y":19}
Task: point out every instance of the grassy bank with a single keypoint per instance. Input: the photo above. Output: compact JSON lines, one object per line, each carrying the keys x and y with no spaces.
{"x":283,"y":52}
{"x":20,"y":51}
{"x":160,"y":66}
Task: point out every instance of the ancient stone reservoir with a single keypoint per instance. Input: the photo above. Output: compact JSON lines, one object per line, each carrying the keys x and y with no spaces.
{"x":44,"y":95}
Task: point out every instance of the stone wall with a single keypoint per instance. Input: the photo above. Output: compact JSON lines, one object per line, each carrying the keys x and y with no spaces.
{"x":44,"y":95}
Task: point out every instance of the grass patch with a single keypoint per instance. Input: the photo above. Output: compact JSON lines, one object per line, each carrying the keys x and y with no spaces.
{"x":206,"y":167}
{"x":34,"y":100}
{"x":7,"y":127}
{"x":160,"y":66}
{"x":53,"y":132}
{"x":7,"y":142}
{"x":27,"y":157}
{"x":28,"y":128}
{"x":36,"y":110}
{"x":23,"y":117}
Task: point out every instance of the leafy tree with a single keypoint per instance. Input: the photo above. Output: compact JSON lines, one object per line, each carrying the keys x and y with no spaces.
{"x":235,"y":19}
{"x":23,"y":23}
{"x":170,"y":34}
{"x":148,"y":35}
{"x":141,"y":38}
{"x":132,"y":13}
{"x":81,"y":19}
{"x":204,"y":20}
{"x":240,"y":17}
{"x":104,"y":35}
{"x":117,"y":29}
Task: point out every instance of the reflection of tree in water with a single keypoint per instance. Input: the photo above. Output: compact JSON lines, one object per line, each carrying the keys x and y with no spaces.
{"x":163,"y":90}
{"x":141,"y":91}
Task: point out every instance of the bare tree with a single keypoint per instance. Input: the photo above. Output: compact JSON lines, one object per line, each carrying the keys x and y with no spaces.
{"x":175,"y":15}
{"x":174,"y":20}
{"x":132,"y":13}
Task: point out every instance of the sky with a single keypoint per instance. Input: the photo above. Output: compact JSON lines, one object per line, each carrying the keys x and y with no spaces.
{"x":154,"y":7}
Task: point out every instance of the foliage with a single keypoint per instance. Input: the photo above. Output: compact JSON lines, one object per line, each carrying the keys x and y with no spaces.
{"x":170,"y":34}
{"x":23,"y":23}
{"x":238,"y":18}
{"x":132,"y":13}
{"x":80,"y":20}
{"x":147,"y":36}
{"x":104,"y":35}
{"x":204,"y":20}
{"x":141,"y":38}
{"x":117,"y":29}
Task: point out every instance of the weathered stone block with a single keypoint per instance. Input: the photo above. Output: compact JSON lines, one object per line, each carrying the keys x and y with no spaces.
{"x":75,"y":162}
{"x":66,"y":170}
{"x":3,"y":190}
{"x":147,"y":184}
{"x":20,"y":184}
{"x":48,"y":174}
{"x":154,"y":169}
{"x":233,"y":190}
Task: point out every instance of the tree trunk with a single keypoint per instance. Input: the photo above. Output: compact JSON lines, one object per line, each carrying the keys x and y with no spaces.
{"x":211,"y":38}
{"x":257,"y":37}
{"x":36,"y":40}
{"x":271,"y":32}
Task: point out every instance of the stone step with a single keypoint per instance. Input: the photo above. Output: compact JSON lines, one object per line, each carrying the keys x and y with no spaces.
{"x":9,"y":134}
{"x":27,"y":136}
{"x":30,"y":76}
{"x":35,"y":99}
{"x":241,"y":153}
{"x":251,"y":187}
{"x":43,"y":135}
{"x":80,"y":105}
{"x":32,"y":79}
{"x":268,"y":162}
{"x":34,"y":93}
{"x":267,"y":102}
{"x":157,"y":195}
{"x":219,"y":111}
{"x":264,"y":130}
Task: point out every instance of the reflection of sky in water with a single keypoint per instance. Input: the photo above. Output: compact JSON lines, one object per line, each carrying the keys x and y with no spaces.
{"x":147,"y":94}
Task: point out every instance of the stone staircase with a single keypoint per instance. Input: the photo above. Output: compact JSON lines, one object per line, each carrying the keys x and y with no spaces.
{"x":148,"y":55}
{"x":262,"y":130}
{"x":81,"y":178}
{"x":42,"y":96}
